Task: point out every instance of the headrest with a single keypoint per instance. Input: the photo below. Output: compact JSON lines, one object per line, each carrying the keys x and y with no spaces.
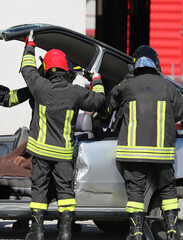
{"x":84,"y":122}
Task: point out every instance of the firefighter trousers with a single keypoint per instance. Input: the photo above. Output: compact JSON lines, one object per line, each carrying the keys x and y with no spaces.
{"x":136,"y":175}
{"x":62,"y":174}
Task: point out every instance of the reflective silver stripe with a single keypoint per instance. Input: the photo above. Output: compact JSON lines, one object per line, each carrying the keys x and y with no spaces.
{"x":142,"y":155}
{"x":145,"y":155}
{"x":146,"y":149}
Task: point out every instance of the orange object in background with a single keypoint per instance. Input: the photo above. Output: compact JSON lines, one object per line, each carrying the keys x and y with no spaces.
{"x":166,"y":34}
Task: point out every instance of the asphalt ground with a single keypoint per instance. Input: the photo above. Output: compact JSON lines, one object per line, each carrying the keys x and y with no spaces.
{"x":89,"y":232}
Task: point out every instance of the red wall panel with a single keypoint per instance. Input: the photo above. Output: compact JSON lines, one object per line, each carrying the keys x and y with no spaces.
{"x":166,"y":20}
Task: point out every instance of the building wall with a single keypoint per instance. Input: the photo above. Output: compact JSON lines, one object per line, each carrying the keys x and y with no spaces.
{"x":166,"y":34}
{"x":66,"y":13}
{"x":90,"y":18}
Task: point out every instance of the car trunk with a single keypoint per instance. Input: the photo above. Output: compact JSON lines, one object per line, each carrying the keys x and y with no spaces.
{"x":80,"y":49}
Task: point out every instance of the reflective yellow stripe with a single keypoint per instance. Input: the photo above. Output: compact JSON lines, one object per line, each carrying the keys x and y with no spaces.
{"x":69,"y":208}
{"x":29,"y":60}
{"x":64,"y":202}
{"x":135,"y":204}
{"x":145,"y":152}
{"x":138,"y":233}
{"x":42,"y":124}
{"x":35,"y":218}
{"x":170,"y":204}
{"x":133,"y":221}
{"x":168,"y":201}
{"x":13,"y":98}
{"x":77,"y":68}
{"x":49,"y":150}
{"x":67,"y":205}
{"x":132,"y":210}
{"x":132,"y":124}
{"x":135,"y":225}
{"x":67,"y":128}
{"x":132,"y":207}
{"x":171,"y":231}
{"x":50,"y":147}
{"x":43,"y":206}
{"x":146,"y":149}
{"x":161,"y":108}
{"x":98,"y":88}
{"x":175,"y":219}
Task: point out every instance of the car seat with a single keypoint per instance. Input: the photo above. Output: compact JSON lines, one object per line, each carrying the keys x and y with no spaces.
{"x":84,"y":125}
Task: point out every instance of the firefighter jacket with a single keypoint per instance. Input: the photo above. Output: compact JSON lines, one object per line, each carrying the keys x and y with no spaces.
{"x":150,"y":105}
{"x":12,"y":98}
{"x":56,"y":107}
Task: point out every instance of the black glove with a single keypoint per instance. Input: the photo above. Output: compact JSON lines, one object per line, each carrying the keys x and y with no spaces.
{"x":3,"y":92}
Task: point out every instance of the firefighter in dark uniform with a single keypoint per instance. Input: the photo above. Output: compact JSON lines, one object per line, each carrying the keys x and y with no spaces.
{"x":51,"y":136}
{"x":150,"y":106}
{"x":12,"y":98}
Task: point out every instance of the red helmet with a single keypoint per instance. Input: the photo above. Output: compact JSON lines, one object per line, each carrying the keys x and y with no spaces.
{"x":55,"y":59}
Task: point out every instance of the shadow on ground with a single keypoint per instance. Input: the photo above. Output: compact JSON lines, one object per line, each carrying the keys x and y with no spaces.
{"x":89,"y":232}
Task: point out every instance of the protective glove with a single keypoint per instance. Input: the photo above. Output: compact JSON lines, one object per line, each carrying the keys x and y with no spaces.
{"x":29,"y":41}
{"x":3,"y":91}
{"x":94,"y":76}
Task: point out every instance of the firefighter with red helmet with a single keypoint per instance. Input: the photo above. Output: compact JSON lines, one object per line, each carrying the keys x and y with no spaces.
{"x":150,"y":105}
{"x":51,"y":137}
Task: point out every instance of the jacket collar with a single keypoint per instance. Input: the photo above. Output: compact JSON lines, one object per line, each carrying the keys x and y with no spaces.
{"x":57,"y":77}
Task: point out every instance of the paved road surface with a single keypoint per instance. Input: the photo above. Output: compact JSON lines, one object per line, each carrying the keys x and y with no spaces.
{"x":89,"y":232}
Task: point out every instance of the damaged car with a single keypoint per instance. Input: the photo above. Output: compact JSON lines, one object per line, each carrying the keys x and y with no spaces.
{"x":98,"y":183}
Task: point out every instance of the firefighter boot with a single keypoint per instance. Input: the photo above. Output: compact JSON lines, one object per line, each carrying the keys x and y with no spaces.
{"x":37,"y":228}
{"x":171,"y":217}
{"x":136,"y":226}
{"x":65,"y":225}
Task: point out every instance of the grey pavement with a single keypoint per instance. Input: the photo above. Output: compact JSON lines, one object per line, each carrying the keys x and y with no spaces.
{"x":89,"y":232}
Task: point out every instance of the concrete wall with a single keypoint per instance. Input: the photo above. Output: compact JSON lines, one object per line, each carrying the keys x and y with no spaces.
{"x":66,"y":13}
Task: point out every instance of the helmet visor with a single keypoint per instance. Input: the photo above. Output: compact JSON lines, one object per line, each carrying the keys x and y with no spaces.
{"x":144,"y":62}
